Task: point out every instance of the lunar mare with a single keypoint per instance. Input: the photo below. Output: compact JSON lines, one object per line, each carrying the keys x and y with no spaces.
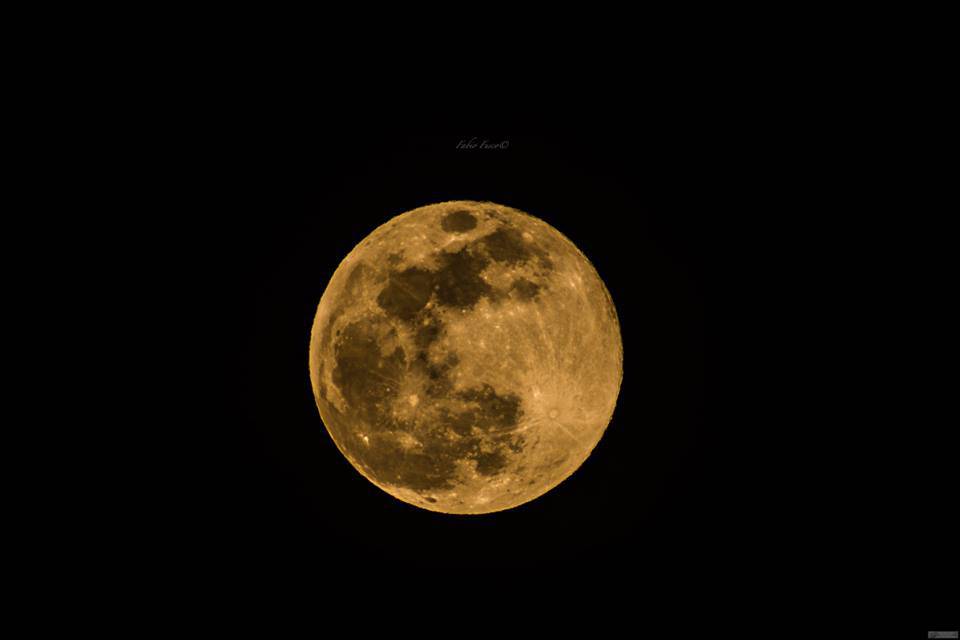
{"x":466,"y":357}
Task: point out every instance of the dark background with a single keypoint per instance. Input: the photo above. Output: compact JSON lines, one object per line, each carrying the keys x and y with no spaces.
{"x":730,"y":475}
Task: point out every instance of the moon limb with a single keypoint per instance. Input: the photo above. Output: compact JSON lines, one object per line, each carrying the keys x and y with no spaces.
{"x":487,"y":375}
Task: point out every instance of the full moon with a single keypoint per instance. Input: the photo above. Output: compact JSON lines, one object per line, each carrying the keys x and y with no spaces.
{"x":466,"y":357}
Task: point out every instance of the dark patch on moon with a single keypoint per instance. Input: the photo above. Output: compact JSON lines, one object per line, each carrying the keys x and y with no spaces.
{"x":490,"y":464}
{"x":428,"y":332}
{"x":497,"y":412}
{"x":429,"y":466}
{"x":356,"y":279}
{"x":423,"y":470}
{"x":506,"y":245}
{"x":406,"y":293}
{"x":461,"y":423}
{"x":435,"y":466}
{"x":367,"y":379}
{"x":459,"y":283}
{"x":458,"y":222}
{"x":524,"y":289}
{"x":438,"y":382}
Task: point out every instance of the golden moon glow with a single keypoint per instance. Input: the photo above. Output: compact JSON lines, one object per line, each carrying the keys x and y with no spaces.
{"x":466,"y":357}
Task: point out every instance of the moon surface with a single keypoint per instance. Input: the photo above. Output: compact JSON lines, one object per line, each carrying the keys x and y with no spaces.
{"x":466,"y":357}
